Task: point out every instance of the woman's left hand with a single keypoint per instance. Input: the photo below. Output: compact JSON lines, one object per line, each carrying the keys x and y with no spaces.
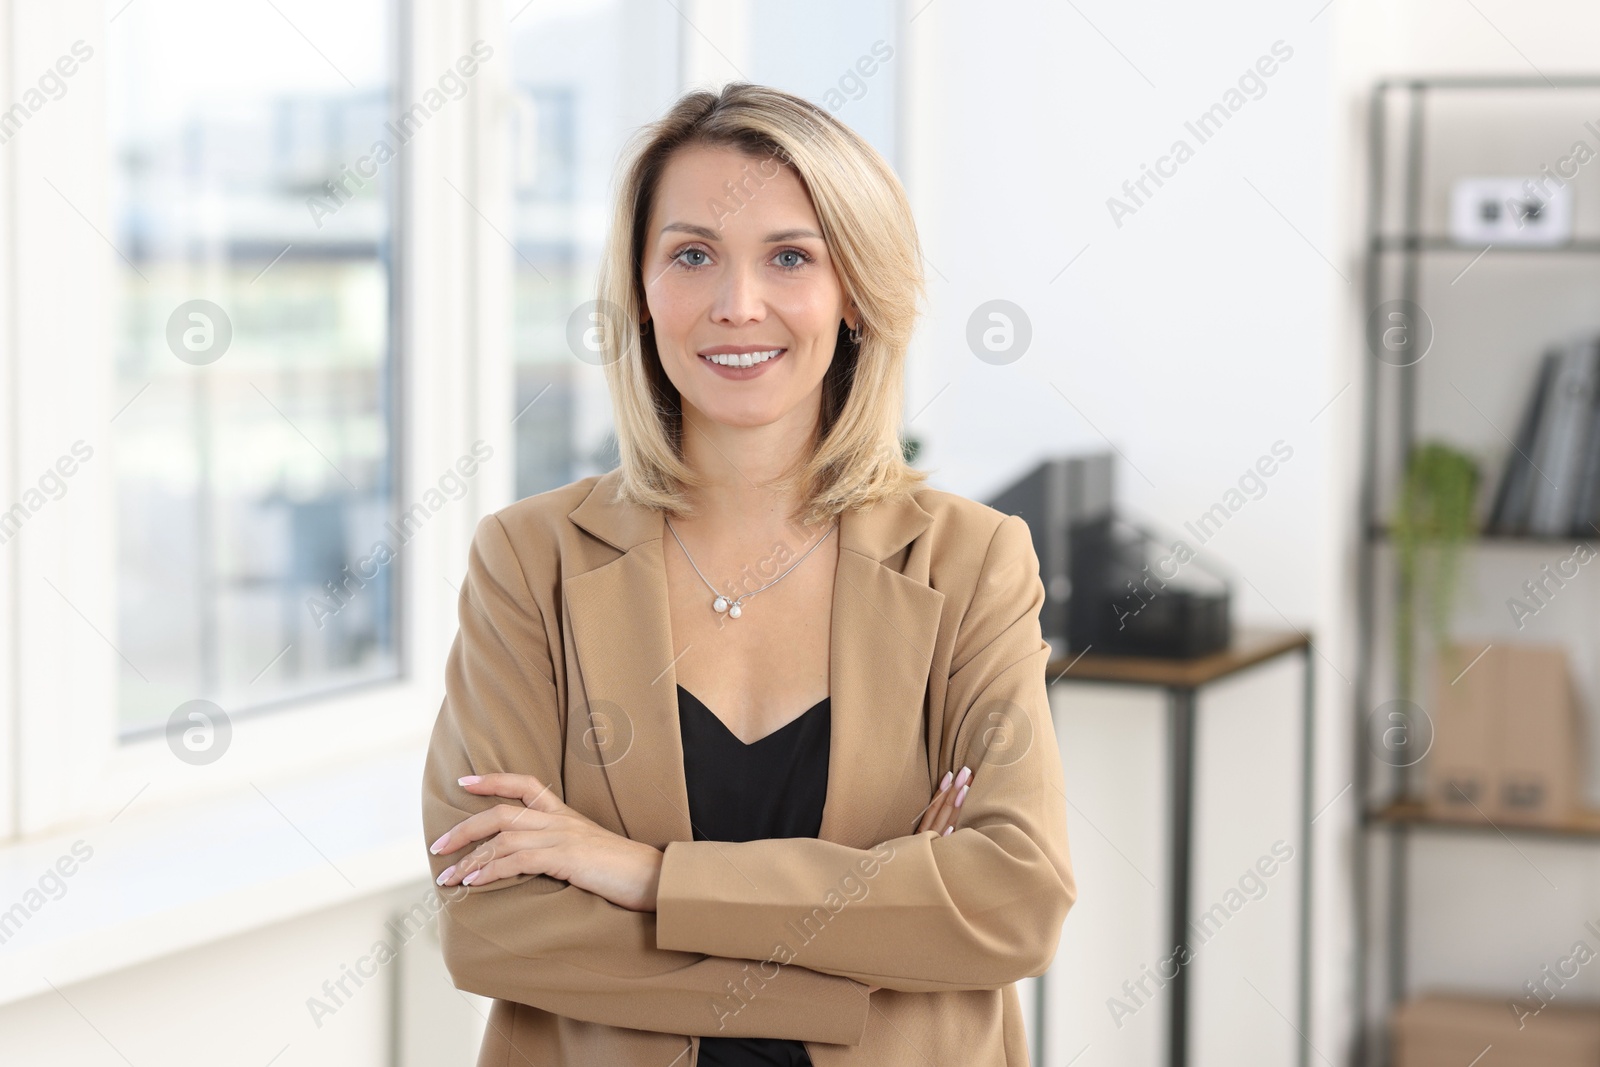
{"x":545,"y":836}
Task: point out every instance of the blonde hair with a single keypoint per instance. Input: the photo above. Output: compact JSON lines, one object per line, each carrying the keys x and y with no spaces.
{"x":857,"y":457}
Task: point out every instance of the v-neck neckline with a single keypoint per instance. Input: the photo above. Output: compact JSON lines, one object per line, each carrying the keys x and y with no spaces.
{"x":760,"y":740}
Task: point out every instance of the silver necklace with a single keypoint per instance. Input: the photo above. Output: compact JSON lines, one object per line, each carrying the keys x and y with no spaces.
{"x":722,"y":603}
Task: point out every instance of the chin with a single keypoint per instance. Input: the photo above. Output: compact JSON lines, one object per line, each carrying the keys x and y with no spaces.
{"x":743,"y":418}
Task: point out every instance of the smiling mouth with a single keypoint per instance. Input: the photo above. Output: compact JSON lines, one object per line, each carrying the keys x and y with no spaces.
{"x":745,"y":359}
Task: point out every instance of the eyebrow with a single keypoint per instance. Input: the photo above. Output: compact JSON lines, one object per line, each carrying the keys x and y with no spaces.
{"x":712,"y":235}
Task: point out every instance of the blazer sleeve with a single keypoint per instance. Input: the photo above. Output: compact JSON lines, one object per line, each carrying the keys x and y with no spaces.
{"x":976,"y":909}
{"x":537,"y":940}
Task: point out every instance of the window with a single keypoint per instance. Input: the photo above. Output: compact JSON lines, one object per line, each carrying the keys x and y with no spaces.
{"x":254,"y":449}
{"x":584,"y":77}
{"x":194,"y":303}
{"x":842,"y":55}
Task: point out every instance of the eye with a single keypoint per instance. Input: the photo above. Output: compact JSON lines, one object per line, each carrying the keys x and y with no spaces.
{"x":689,"y":251}
{"x":803,"y":258}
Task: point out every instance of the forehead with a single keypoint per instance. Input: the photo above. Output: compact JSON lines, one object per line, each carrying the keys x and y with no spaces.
{"x":765,"y":193}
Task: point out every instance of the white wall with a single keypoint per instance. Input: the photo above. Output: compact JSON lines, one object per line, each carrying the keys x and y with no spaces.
{"x":248,"y":999}
{"x":1191,"y":337}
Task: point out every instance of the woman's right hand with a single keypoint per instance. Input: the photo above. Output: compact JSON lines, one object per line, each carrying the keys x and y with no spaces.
{"x":940,"y":814}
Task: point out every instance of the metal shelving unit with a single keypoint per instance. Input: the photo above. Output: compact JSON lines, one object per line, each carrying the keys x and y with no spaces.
{"x":1392,"y":815}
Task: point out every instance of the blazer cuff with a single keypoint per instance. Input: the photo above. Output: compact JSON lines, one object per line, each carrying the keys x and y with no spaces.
{"x":681,"y":909}
{"x":685,"y":902}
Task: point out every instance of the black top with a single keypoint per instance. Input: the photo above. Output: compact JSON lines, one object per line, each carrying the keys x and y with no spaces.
{"x":738,"y":792}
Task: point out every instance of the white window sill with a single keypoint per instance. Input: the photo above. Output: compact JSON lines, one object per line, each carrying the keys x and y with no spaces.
{"x":163,"y":880}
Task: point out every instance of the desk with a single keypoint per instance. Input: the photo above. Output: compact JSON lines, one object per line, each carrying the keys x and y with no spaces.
{"x":1182,"y":678}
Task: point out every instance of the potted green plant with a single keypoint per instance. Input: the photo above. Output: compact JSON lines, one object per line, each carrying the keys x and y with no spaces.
{"x":1434,"y":518}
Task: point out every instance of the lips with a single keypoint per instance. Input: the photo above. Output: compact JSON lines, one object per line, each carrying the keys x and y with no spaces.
{"x":741,"y":363}
{"x":746,"y":358}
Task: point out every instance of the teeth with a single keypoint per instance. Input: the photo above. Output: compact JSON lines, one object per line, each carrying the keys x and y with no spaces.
{"x":745,"y":359}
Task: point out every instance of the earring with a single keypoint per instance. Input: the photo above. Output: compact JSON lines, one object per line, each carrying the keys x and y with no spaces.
{"x":644,"y":327}
{"x":858,"y":333}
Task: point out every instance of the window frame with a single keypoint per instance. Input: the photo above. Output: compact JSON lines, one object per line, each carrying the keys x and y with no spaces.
{"x":61,"y":752}
{"x":62,"y":762}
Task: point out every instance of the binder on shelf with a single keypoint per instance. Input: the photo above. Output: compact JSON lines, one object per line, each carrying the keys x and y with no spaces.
{"x":1550,"y":486}
{"x":1586,"y":517}
{"x":1562,"y":437}
{"x":1510,"y":513}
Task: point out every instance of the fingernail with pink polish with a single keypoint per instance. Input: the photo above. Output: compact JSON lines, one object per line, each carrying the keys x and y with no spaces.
{"x":437,"y":845}
{"x":469,"y":878}
{"x":946,"y":783}
{"x":966,"y":773}
{"x":947,"y":830}
{"x":962,"y":795}
{"x":444,"y":875}
{"x":471,"y":779}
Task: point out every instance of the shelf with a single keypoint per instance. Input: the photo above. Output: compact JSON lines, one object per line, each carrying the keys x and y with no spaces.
{"x":1407,"y":251}
{"x":1381,"y":534}
{"x":1490,"y":82}
{"x":1429,"y":243}
{"x":1581,"y":824}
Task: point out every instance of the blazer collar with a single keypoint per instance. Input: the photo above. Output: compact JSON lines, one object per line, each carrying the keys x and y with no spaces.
{"x":876,"y":533}
{"x":623,"y":707}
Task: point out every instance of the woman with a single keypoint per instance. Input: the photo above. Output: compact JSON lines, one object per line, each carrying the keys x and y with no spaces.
{"x":653,"y":854}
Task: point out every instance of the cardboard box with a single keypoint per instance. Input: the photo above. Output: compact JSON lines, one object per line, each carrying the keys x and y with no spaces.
{"x":1461,"y":766}
{"x":1447,"y":1030}
{"x":1539,"y":777}
{"x":1507,"y":744}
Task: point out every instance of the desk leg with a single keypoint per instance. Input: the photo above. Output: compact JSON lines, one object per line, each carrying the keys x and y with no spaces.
{"x":1307,"y":772}
{"x":1040,"y":1002}
{"x":1180,"y":732}
{"x":1041,"y":997}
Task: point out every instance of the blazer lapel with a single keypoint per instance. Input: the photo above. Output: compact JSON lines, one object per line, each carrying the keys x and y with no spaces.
{"x":884,"y":626}
{"x":623,"y":637}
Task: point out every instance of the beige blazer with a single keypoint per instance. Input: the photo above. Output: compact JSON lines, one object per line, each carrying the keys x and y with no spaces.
{"x":562,"y":668}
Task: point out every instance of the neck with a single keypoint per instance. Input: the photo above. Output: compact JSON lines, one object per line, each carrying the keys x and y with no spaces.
{"x":740,"y":465}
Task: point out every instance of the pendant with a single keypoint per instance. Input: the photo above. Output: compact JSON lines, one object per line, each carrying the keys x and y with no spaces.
{"x":734,"y":611}
{"x":720,"y":605}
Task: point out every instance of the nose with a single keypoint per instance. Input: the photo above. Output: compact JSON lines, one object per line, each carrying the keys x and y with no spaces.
{"x":739,"y":298}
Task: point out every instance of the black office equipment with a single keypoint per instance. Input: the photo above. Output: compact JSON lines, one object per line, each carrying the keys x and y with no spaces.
{"x":1135,"y":595}
{"x":1056,"y":497}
